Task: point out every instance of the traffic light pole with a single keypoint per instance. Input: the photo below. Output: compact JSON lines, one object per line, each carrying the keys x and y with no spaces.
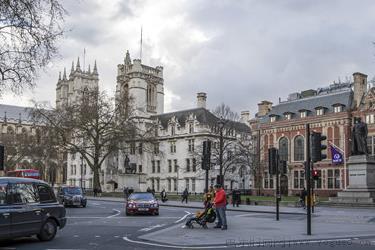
{"x":206,"y":189}
{"x":277,"y":189}
{"x":308,"y":179}
{"x":312,"y":192}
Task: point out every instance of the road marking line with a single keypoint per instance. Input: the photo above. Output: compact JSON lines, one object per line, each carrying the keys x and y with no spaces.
{"x":146,"y":229}
{"x":184,"y":217}
{"x":114,"y":215}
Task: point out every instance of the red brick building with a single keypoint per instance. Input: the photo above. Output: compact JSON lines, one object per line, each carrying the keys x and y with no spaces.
{"x":328,"y":110}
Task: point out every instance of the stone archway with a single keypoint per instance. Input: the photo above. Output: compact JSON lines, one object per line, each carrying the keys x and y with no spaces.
{"x":284,"y":185}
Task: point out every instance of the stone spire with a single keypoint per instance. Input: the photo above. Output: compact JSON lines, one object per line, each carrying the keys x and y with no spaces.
{"x":60,"y":76}
{"x":128,"y":61}
{"x":64,"y":75}
{"x":95,"y":71}
{"x":89,"y":70}
{"x":72,"y":69}
{"x":78,"y":67}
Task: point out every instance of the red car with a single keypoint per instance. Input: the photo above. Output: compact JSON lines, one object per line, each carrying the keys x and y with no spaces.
{"x":142,"y":203}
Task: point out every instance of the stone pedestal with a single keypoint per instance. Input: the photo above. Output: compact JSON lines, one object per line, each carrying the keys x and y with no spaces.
{"x":130,"y":181}
{"x":361,"y":187}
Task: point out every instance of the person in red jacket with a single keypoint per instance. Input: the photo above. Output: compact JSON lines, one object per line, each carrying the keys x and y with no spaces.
{"x":220,"y":203}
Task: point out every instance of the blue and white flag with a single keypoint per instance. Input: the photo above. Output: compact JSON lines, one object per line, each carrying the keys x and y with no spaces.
{"x":337,"y":156}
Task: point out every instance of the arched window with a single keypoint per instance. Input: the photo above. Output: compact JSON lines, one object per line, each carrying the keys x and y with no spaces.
{"x":283,"y":149}
{"x":299,"y":148}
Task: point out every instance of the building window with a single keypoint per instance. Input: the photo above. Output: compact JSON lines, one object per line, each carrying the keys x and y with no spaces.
{"x":152,"y":183}
{"x":140,"y":148}
{"x":169,"y":166}
{"x":283,"y":149}
{"x":268,"y":181}
{"x":187,"y":165}
{"x":187,"y":184}
{"x":303,"y":114}
{"x":337,"y":109}
{"x":191,"y":145}
{"x":153,"y":166}
{"x":370,"y":119}
{"x":173,"y":146}
{"x":299,"y":148}
{"x":295,"y":180}
{"x":175,"y":184}
{"x":157,"y":184}
{"x":173,"y":130}
{"x":299,"y":179}
{"x":337,"y":179}
{"x":191,"y":128}
{"x":288,"y":116}
{"x":169,"y":185}
{"x":175,"y":166}
{"x":318,"y":182}
{"x":273,"y":118}
{"x":193,"y":185}
{"x":132,"y":148}
{"x":194,"y":165}
{"x":158,"y":165}
{"x":140,"y":170}
{"x":320,"y":111}
{"x":156,"y":148}
{"x":333,"y":178}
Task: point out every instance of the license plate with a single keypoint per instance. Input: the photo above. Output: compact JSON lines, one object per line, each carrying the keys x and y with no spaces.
{"x":76,"y":203}
{"x":142,"y":209}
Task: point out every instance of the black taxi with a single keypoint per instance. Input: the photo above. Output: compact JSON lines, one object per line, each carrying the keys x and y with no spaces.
{"x":29,"y":207}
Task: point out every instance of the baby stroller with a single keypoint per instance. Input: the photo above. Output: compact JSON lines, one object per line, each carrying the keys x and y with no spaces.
{"x":202,"y":218}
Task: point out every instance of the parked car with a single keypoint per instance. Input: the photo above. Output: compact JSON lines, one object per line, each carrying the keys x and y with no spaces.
{"x":142,"y":203}
{"x":29,"y":207}
{"x":72,"y":196}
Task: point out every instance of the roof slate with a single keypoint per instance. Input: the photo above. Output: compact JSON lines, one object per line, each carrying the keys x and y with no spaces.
{"x":310,"y":103}
{"x":13,"y":112}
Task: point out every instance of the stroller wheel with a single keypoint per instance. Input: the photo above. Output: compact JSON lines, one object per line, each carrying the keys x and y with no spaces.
{"x":205,"y":226}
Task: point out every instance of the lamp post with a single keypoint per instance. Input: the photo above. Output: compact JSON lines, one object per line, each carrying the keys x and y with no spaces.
{"x":221,"y":124}
{"x":81,"y":172}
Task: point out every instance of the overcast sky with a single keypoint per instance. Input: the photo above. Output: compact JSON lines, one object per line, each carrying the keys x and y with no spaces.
{"x":238,"y":52}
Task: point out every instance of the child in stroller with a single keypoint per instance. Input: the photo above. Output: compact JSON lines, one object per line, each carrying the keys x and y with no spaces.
{"x":202,"y":218}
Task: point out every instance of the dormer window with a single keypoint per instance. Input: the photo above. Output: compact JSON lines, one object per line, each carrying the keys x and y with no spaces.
{"x":273,"y":118}
{"x":288,"y":115}
{"x":303,"y":114}
{"x":173,"y":130}
{"x":320,"y":110}
{"x":337,"y":109}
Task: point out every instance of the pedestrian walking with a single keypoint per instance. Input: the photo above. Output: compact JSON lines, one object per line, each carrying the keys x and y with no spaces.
{"x":148,"y":190}
{"x":163,"y":195}
{"x":185,"y":196}
{"x":95,"y":192}
{"x":126,"y":193}
{"x":236,"y":197}
{"x":302,"y":198}
{"x":220,"y":203}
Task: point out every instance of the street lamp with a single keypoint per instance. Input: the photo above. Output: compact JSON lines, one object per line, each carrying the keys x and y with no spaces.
{"x":81,"y":171}
{"x":221,"y":124}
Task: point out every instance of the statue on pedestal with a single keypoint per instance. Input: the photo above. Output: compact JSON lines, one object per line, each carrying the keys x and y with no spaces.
{"x":129,"y":168}
{"x":359,"y":137}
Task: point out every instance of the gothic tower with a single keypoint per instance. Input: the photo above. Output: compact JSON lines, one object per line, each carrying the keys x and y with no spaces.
{"x":68,"y":90}
{"x":143,"y":83}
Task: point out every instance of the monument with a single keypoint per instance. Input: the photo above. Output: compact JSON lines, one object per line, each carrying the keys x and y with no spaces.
{"x":361,"y":168}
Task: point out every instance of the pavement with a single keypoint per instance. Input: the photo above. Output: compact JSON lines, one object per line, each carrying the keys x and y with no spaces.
{"x":103,"y":225}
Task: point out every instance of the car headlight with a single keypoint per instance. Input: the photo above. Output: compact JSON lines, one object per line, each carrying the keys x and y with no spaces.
{"x":68,"y":197}
{"x":154,"y":205}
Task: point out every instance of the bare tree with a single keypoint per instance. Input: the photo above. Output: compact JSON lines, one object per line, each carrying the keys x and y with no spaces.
{"x":29,"y":30}
{"x":95,"y":126}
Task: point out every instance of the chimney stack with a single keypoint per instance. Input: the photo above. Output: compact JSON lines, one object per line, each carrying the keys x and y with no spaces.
{"x":201,"y":100}
{"x":263,"y":108}
{"x":360,"y":87}
{"x":245,"y":116}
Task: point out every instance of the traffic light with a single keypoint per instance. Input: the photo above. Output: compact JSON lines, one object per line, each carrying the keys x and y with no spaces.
{"x":206,"y":160}
{"x":317,"y":147}
{"x":272,"y":160}
{"x":1,"y":157}
{"x":315,"y":174}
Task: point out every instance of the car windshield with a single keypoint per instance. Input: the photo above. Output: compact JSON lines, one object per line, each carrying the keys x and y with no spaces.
{"x":72,"y":190}
{"x":141,"y":196}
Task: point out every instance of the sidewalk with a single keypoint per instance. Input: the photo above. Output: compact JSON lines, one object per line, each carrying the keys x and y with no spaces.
{"x":199,"y":205}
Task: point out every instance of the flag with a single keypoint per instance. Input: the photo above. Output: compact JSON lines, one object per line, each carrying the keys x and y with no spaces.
{"x":337,"y":157}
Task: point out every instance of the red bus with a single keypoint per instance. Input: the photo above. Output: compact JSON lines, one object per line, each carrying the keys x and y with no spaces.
{"x":24,"y":173}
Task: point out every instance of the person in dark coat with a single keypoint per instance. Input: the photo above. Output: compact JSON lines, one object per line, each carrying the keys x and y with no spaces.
{"x":163,"y":195}
{"x":126,"y":193}
{"x":95,"y":192}
{"x":236,"y":197}
{"x":303,"y":197}
{"x":185,"y":196}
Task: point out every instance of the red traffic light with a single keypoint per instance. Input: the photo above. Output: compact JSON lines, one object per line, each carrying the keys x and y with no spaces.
{"x":315,"y":174}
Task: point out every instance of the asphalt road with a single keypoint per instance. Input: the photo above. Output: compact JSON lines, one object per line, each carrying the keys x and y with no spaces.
{"x":103,"y":225}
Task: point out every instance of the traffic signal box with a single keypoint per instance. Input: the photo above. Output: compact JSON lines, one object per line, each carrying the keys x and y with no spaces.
{"x":272,"y":160}
{"x":317,"y":147}
{"x":1,"y":157}
{"x":315,"y":174}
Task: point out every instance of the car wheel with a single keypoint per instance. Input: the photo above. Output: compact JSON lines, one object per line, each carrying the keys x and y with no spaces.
{"x":48,"y":230}
{"x":126,"y":213}
{"x":84,"y":204}
{"x":156,"y":213}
